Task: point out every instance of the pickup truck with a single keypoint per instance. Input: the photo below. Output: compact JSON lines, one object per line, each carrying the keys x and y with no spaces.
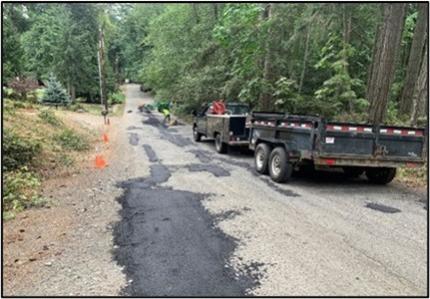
{"x":282,"y":142}
{"x":227,"y":129}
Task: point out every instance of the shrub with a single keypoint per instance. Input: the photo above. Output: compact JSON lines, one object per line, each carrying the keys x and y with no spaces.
{"x":22,"y":86}
{"x":20,"y":190}
{"x":55,"y":94}
{"x":49,"y":117}
{"x":116,"y":98}
{"x":68,"y":139}
{"x":17,"y":151}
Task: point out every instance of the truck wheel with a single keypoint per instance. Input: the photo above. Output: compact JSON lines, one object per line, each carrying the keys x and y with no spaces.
{"x":196,"y":135}
{"x":261,"y":158}
{"x":353,"y":172}
{"x":220,"y":146}
{"x":279,"y":168}
{"x":381,"y":175}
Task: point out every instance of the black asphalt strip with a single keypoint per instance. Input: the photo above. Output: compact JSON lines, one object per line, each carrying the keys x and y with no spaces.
{"x":170,"y":245}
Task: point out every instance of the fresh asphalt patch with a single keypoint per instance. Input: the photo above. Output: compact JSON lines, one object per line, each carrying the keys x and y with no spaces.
{"x":166,"y":132}
{"x":382,"y":208}
{"x":216,"y":170}
{"x":169,"y":243}
{"x":206,"y":157}
{"x":133,"y":139}
{"x":152,"y":156}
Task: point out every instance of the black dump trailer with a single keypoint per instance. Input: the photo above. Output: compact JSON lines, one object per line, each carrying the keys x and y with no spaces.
{"x":282,"y":142}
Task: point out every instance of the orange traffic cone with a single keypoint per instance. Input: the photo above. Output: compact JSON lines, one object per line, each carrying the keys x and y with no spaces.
{"x":100,"y":162}
{"x":105,"y":138}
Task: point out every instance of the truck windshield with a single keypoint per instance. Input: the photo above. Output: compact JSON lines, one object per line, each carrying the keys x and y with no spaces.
{"x":237,"y":109}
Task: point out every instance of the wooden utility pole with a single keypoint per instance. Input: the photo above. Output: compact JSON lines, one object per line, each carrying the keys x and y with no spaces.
{"x":102,"y":73}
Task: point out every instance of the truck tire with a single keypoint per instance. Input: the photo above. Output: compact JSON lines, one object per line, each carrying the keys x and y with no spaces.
{"x":220,"y":146}
{"x":261,"y":158}
{"x":352,"y":172}
{"x":279,"y":169}
{"x":196,"y":135}
{"x":381,"y":175}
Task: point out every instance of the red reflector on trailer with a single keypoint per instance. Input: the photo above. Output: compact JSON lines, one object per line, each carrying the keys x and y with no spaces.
{"x":330,"y":161}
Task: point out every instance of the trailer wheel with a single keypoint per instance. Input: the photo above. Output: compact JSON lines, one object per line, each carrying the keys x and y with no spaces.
{"x":196,"y":135}
{"x":220,"y":146}
{"x":261,"y":158}
{"x":353,"y":172}
{"x":279,"y":168}
{"x":381,"y":175}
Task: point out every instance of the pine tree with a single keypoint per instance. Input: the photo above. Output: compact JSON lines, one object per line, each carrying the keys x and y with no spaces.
{"x":55,"y":94}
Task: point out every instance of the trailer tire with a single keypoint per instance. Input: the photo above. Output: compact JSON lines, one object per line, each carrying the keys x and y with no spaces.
{"x":220,"y":146}
{"x":196,"y":135}
{"x":381,"y":175}
{"x":261,"y":158}
{"x":280,"y":169}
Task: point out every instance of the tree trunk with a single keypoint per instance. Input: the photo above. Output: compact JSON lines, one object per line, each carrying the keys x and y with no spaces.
{"x":266,"y":97}
{"x":383,"y":64}
{"x":305,"y":59}
{"x":347,"y":29}
{"x":420,"y":95}
{"x":196,"y":13}
{"x":73,"y":93}
{"x":414,"y":61}
{"x":215,"y":10}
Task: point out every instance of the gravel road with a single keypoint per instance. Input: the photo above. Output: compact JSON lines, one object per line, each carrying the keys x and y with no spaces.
{"x":197,"y":223}
{"x":171,"y":217}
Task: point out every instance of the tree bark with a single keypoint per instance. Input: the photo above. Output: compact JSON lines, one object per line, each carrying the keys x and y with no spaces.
{"x":305,"y":59}
{"x":414,"y":61}
{"x":215,"y":10}
{"x":266,"y":97}
{"x":195,"y":12}
{"x":420,"y":95}
{"x":383,"y":64}
{"x":347,"y":29}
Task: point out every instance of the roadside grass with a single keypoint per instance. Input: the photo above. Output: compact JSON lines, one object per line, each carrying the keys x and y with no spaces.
{"x":413,"y":177}
{"x":38,"y":143}
{"x":96,"y":109}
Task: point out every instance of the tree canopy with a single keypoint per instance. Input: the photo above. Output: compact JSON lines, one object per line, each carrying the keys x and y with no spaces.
{"x":310,"y":58}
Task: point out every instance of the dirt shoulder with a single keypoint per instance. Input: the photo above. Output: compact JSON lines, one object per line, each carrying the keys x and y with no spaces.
{"x":58,"y":249}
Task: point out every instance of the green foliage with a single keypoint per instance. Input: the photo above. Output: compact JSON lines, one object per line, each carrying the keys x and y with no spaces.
{"x":70,"y":140}
{"x":55,"y":94}
{"x":49,"y":117}
{"x":193,"y":53}
{"x":116,"y":98}
{"x":20,"y":191}
{"x":337,"y":94}
{"x":18,"y":151}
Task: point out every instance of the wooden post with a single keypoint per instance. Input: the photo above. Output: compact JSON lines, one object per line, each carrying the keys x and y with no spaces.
{"x":101,"y":62}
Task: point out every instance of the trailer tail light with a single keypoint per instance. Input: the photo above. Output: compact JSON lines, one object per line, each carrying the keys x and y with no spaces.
{"x":401,"y":132}
{"x":329,"y":162}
